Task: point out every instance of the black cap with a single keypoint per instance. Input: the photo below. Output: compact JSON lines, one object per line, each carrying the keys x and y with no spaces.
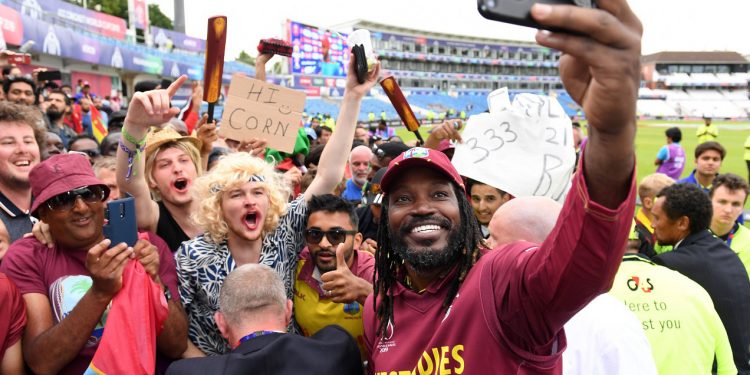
{"x":371,"y":193}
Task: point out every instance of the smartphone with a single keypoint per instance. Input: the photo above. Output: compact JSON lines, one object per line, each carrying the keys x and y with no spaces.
{"x":518,"y":12}
{"x":360,"y":63}
{"x":121,"y":225}
{"x":49,"y":75}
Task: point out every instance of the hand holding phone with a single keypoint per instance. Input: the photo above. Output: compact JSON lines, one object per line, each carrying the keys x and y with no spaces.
{"x":121,"y":225}
{"x":518,"y":12}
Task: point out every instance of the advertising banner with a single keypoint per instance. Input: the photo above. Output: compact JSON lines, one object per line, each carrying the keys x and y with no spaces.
{"x":181,"y":41}
{"x":61,"y":12}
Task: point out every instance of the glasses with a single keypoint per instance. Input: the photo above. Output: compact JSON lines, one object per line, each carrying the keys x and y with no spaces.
{"x":334,"y":236}
{"x":66,"y":201}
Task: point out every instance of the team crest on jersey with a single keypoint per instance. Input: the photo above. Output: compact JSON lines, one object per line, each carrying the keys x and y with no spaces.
{"x":417,"y":152}
{"x":385,"y":342}
{"x":351,"y":308}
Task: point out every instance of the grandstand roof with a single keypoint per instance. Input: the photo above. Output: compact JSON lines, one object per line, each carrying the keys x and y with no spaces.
{"x":370,"y":25}
{"x":696,"y":57}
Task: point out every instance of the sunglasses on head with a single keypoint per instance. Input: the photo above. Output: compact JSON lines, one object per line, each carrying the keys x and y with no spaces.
{"x":335,"y":236}
{"x":67,"y":200}
{"x":379,"y":152}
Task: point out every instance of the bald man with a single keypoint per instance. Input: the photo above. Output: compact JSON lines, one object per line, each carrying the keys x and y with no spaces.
{"x":359,"y":165}
{"x":604,"y":337}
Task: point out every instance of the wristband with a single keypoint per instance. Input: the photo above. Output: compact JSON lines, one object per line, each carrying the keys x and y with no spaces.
{"x":129,"y":138}
{"x":133,"y":156}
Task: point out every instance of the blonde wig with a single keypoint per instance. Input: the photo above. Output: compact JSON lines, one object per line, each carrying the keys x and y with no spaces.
{"x":187,"y":147}
{"x":233,"y":171}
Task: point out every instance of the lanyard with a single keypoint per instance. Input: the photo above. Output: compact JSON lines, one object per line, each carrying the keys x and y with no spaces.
{"x":256,"y":334}
{"x":731,"y":234}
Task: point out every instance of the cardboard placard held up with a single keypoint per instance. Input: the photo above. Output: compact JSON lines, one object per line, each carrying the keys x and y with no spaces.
{"x":257,"y":109}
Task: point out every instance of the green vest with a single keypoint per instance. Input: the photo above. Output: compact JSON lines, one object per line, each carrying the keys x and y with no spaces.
{"x":678,"y":317}
{"x":707,"y":133}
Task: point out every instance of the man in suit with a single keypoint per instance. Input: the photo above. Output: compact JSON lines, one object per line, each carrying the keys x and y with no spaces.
{"x":253,"y":315}
{"x":681,"y":217}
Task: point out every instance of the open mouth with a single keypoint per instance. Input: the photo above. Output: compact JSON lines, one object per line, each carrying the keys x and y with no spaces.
{"x":251,"y":220}
{"x":22,"y":163}
{"x":180,"y":184}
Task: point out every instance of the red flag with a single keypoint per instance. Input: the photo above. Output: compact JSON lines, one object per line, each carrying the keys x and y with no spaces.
{"x":136,"y":317}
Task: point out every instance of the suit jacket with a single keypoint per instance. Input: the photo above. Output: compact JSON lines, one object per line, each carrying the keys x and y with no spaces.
{"x":709,"y":262}
{"x":330,"y":351}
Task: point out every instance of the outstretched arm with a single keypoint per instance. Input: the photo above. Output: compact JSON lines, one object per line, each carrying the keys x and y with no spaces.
{"x":146,"y":109}
{"x":600,"y":68}
{"x":332,"y":160}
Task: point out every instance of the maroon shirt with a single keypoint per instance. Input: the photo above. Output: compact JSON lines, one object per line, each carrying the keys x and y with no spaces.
{"x":61,"y":275}
{"x":508,"y":315}
{"x":12,"y":314}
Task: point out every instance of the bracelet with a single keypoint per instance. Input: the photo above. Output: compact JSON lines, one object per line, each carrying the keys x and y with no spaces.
{"x":133,"y":156}
{"x":132,"y":140}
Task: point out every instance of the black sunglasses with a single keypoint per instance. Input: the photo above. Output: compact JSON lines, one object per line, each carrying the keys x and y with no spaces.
{"x":334,"y":236}
{"x":67,"y":200}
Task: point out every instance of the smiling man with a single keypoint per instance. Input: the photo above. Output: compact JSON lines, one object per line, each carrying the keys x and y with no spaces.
{"x":441,"y":299}
{"x":68,"y":286}
{"x":333,"y":277}
{"x":21,"y":139}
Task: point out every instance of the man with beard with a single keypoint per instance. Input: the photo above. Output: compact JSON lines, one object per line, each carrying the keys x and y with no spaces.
{"x":333,"y":277}
{"x":21,"y":140}
{"x":441,"y":300}
{"x":359,"y":164}
{"x":57,"y":105}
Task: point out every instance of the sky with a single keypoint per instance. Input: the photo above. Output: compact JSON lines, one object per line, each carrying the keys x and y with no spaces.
{"x":669,"y":25}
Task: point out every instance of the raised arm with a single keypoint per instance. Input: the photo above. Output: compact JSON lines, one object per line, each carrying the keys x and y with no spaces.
{"x":600,"y":68}
{"x":146,"y":109}
{"x":333,"y":159}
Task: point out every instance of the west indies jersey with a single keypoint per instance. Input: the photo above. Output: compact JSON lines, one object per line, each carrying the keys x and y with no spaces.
{"x":508,"y":315}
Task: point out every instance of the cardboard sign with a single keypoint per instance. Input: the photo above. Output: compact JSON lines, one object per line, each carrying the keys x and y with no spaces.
{"x":257,"y":109}
{"x":525,"y":150}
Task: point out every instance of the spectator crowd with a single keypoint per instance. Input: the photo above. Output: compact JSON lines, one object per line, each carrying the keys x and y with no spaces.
{"x":357,"y":252}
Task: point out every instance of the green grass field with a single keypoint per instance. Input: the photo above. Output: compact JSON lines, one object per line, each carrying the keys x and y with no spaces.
{"x":650,"y":138}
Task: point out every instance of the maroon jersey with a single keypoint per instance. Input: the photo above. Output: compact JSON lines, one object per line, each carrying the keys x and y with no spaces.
{"x":508,"y":315}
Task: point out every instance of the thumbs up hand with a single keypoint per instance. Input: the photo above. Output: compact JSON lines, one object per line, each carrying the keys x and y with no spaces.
{"x":341,"y":285}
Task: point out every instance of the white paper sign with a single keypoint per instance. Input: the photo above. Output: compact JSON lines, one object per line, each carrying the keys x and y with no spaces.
{"x":525,"y":151}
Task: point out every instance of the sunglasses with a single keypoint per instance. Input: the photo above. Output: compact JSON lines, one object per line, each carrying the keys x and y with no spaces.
{"x":379,"y":152}
{"x":334,"y":236}
{"x":67,"y":200}
{"x":92,"y":153}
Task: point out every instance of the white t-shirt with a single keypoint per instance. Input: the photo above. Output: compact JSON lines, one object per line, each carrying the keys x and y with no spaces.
{"x":606,"y":338}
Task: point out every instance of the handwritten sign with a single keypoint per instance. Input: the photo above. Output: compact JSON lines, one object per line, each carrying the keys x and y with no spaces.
{"x":257,"y":109}
{"x":525,"y":150}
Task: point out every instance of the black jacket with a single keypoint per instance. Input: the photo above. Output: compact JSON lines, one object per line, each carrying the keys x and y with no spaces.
{"x":709,"y":262}
{"x":330,"y":351}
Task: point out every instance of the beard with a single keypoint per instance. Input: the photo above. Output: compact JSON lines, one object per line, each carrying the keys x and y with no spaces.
{"x":53,"y":114}
{"x":422,"y":258}
{"x":360,"y":181}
